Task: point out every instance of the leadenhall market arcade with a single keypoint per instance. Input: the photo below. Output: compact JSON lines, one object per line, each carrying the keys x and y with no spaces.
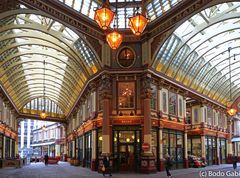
{"x":134,"y":93}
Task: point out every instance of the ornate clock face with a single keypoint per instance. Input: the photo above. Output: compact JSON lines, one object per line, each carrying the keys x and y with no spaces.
{"x":126,"y":57}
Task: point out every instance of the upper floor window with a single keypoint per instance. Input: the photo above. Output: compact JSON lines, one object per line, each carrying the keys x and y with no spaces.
{"x":180,"y":107}
{"x":164,"y":96}
{"x":126,"y":95}
{"x":172,"y":106}
{"x":209,"y":115}
{"x":195,"y":115}
{"x":154,"y":97}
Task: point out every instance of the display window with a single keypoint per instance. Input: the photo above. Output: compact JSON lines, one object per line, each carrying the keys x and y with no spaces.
{"x":126,"y":95}
{"x":172,"y":103}
{"x":173,"y":146}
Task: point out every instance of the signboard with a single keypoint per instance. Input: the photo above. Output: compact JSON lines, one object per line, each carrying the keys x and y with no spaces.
{"x":145,"y":147}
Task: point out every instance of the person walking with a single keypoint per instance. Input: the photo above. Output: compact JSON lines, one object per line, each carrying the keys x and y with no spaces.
{"x":106,"y":164}
{"x":46,"y":159}
{"x":168,"y":165}
{"x":234,"y":162}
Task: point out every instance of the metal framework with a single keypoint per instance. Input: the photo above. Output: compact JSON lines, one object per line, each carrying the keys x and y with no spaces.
{"x":26,"y":39}
{"x":196,"y":53}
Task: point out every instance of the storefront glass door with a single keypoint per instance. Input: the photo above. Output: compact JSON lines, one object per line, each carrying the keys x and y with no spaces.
{"x":127,"y":150}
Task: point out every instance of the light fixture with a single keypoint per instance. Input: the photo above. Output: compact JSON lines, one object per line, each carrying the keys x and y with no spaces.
{"x":114,"y":39}
{"x":137,"y":23}
{"x":230,"y":110}
{"x":104,"y":15}
{"x":43,"y":114}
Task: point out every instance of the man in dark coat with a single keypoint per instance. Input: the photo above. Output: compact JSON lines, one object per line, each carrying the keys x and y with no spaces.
{"x":46,"y":159}
{"x":106,"y":164}
{"x":168,"y":165}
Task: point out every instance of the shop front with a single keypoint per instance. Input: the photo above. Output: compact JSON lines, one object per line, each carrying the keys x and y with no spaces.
{"x":126,"y":148}
{"x":223,"y":150}
{"x":173,"y":145}
{"x":211,"y":150}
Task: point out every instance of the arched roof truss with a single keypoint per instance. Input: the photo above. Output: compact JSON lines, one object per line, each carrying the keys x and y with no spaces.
{"x":197,"y":54}
{"x":37,"y":53}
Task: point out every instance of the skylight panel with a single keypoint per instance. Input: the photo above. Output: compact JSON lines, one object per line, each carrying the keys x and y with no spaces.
{"x":69,"y":2}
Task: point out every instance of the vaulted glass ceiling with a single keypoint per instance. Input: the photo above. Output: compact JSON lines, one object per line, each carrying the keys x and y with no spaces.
{"x":197,"y":55}
{"x":26,"y":41}
{"x":125,"y":8}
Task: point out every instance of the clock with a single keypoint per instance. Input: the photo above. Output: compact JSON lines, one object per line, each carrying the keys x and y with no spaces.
{"x":126,"y":57}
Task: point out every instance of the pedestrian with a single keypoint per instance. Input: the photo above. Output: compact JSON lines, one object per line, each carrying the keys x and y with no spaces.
{"x":46,"y":159}
{"x":234,"y":162}
{"x":106,"y":166}
{"x":168,"y":165}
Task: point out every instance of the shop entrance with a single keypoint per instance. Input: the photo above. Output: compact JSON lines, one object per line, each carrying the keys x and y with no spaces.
{"x":127,"y":150}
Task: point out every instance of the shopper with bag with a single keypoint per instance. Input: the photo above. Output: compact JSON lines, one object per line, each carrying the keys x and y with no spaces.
{"x":106,"y":166}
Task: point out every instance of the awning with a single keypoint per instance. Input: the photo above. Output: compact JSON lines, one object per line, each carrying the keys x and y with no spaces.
{"x":42,"y":144}
{"x":237,"y":139}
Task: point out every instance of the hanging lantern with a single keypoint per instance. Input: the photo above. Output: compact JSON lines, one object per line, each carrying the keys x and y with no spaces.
{"x":137,"y":23}
{"x":104,"y":17}
{"x":43,"y":114}
{"x":231,"y":111}
{"x":114,"y":39}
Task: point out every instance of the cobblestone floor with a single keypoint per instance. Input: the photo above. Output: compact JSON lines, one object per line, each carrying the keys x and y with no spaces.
{"x":64,"y":170}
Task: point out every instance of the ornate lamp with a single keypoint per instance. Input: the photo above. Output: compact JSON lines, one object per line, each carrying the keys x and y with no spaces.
{"x":230,"y":110}
{"x":138,"y":23}
{"x":104,"y":16}
{"x":43,"y":114}
{"x":114,"y":39}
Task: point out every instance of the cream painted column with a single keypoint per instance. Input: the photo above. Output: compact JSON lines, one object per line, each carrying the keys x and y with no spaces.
{"x":203,"y":146}
{"x":94,"y":144}
{"x":83,"y":144}
{"x":185,"y":146}
{"x":161,"y":143}
{"x":11,"y":148}
{"x":230,"y":146}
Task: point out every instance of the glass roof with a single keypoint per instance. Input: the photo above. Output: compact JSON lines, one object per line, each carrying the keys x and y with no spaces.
{"x":197,"y":53}
{"x":125,"y":8}
{"x":26,"y":41}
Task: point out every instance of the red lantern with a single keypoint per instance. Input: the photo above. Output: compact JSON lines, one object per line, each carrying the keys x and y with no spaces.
{"x":114,"y":39}
{"x":104,"y":17}
{"x":137,"y":24}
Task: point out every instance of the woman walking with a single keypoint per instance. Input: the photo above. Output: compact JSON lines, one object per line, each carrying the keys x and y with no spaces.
{"x":106,"y":165}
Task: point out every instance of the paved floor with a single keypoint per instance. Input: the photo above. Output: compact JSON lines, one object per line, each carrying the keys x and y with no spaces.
{"x":64,"y":170}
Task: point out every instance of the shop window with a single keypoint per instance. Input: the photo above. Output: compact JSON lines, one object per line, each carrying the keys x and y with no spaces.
{"x":154,"y":143}
{"x":209,"y":115}
{"x":80,"y":149}
{"x":180,"y":107}
{"x":7,"y":147}
{"x":154,"y":97}
{"x":172,"y":103}
{"x":164,"y":96}
{"x":88,"y":149}
{"x":195,"y":115}
{"x":126,"y":95}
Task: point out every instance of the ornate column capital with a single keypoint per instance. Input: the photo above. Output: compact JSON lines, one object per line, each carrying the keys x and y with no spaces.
{"x":105,"y":88}
{"x":146,"y":81}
